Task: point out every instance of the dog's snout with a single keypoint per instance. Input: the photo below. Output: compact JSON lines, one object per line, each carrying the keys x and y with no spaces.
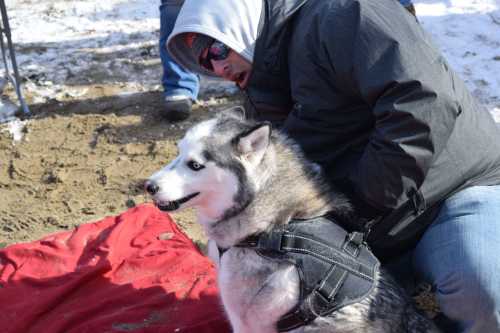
{"x":151,"y":187}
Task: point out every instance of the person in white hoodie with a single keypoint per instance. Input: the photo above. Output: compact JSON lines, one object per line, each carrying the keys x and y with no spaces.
{"x":362,"y":89}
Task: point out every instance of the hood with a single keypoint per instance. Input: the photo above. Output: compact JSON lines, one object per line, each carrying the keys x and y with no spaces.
{"x":232,"y":22}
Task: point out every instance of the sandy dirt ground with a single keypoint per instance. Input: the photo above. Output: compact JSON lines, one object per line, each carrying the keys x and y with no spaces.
{"x":93,"y":138}
{"x":96,"y":131}
{"x":81,"y":160}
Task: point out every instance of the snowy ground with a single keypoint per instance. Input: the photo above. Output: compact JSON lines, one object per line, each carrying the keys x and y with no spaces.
{"x":91,"y":70}
{"x":64,"y":46}
{"x":468,"y":33}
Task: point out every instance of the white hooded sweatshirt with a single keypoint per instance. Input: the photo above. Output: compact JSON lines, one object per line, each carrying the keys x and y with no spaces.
{"x":232,"y":22}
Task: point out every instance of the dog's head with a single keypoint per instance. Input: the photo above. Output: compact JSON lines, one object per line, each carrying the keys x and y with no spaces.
{"x":218,"y":167}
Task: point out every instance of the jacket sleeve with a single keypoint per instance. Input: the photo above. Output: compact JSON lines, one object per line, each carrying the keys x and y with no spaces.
{"x":379,"y":49}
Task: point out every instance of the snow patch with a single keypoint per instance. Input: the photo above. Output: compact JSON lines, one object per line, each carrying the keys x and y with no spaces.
{"x":115,"y":42}
{"x":15,"y":128}
{"x":496,"y":114}
{"x":7,"y":110}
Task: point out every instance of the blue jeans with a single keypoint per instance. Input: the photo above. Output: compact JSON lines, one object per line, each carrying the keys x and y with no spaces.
{"x":406,"y":3}
{"x":459,"y":254}
{"x":175,"y":80}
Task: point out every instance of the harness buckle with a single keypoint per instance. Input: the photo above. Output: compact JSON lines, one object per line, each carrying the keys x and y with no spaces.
{"x":268,"y":241}
{"x":352,"y":243}
{"x":272,"y":240}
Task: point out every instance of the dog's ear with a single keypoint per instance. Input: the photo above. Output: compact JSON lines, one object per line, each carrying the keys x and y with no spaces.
{"x":237,"y":112}
{"x":252,"y":144}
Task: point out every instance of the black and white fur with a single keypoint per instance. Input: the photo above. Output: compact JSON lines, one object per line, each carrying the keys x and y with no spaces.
{"x":244,"y":178}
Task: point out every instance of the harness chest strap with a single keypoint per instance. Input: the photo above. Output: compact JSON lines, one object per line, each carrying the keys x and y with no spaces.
{"x":342,"y":272}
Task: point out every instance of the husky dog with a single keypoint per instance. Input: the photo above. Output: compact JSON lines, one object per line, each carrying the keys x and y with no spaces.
{"x":244,"y":179}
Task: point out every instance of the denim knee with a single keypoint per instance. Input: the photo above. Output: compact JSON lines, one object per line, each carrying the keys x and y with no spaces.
{"x":465,"y":297}
{"x":458,"y":254}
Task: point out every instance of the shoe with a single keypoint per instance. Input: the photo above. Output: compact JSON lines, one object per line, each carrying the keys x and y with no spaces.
{"x":446,"y":325}
{"x":177,"y":107}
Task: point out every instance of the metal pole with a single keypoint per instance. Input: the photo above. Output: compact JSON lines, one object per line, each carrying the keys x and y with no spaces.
{"x":5,"y":31}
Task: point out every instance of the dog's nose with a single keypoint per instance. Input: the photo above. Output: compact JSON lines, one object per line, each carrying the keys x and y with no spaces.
{"x":151,"y":187}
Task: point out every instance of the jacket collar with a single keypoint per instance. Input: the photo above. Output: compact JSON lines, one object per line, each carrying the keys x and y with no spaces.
{"x":274,"y":28}
{"x":269,"y":85}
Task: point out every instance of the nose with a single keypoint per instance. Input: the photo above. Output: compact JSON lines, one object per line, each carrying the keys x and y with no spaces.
{"x":221,"y":69}
{"x":151,"y":187}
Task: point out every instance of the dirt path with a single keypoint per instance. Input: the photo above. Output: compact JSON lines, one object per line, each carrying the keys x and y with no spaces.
{"x":82,"y":160}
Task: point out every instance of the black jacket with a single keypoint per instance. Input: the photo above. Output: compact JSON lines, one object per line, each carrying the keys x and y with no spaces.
{"x":361,"y":87}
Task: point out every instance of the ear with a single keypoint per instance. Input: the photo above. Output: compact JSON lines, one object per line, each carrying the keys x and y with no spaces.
{"x":253,"y":144}
{"x":237,"y":112}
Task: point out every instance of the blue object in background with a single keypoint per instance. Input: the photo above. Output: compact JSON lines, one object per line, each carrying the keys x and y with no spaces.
{"x":405,"y":3}
{"x":176,"y":80}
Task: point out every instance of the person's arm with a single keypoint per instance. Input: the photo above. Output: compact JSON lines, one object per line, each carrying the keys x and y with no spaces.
{"x":275,"y":114}
{"x":405,"y":81}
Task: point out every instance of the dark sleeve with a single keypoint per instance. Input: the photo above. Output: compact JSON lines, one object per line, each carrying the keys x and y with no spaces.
{"x":260,"y":111}
{"x":380,"y":50}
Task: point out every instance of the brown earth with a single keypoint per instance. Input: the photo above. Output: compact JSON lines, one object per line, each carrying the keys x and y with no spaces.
{"x":82,"y":160}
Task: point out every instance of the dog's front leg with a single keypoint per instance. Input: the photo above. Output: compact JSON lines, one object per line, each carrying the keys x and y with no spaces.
{"x":239,"y":327}
{"x":213,"y":252}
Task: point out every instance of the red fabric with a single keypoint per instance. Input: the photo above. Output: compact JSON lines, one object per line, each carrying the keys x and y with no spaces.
{"x":136,"y":272}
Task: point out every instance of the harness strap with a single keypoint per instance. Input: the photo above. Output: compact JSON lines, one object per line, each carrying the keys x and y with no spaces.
{"x":322,"y":298}
{"x":342,"y":260}
{"x":280,"y":240}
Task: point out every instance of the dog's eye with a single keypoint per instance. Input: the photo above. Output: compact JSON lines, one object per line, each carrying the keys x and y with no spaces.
{"x":195,"y":166}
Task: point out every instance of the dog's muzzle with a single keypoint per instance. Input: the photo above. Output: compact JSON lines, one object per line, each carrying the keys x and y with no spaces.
{"x":169,"y":206}
{"x":152,"y":188}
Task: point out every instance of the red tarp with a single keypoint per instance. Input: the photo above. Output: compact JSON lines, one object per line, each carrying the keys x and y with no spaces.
{"x":136,"y":272}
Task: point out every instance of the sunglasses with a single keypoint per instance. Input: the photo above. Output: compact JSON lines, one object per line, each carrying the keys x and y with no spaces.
{"x":217,"y":51}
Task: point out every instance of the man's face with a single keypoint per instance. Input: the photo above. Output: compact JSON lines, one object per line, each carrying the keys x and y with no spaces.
{"x":226,"y":64}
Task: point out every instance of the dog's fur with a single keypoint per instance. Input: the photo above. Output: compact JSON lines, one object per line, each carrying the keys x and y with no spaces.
{"x":243,"y":178}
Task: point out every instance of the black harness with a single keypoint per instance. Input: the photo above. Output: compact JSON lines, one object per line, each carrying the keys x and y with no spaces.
{"x":336,"y":268}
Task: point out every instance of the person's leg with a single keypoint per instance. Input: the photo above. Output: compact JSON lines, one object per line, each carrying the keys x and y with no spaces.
{"x":180,"y":86}
{"x":460,"y":255}
{"x":408,"y":4}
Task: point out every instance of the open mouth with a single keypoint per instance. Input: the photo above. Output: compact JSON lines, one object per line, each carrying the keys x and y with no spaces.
{"x":168,"y":206}
{"x":241,"y":79}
